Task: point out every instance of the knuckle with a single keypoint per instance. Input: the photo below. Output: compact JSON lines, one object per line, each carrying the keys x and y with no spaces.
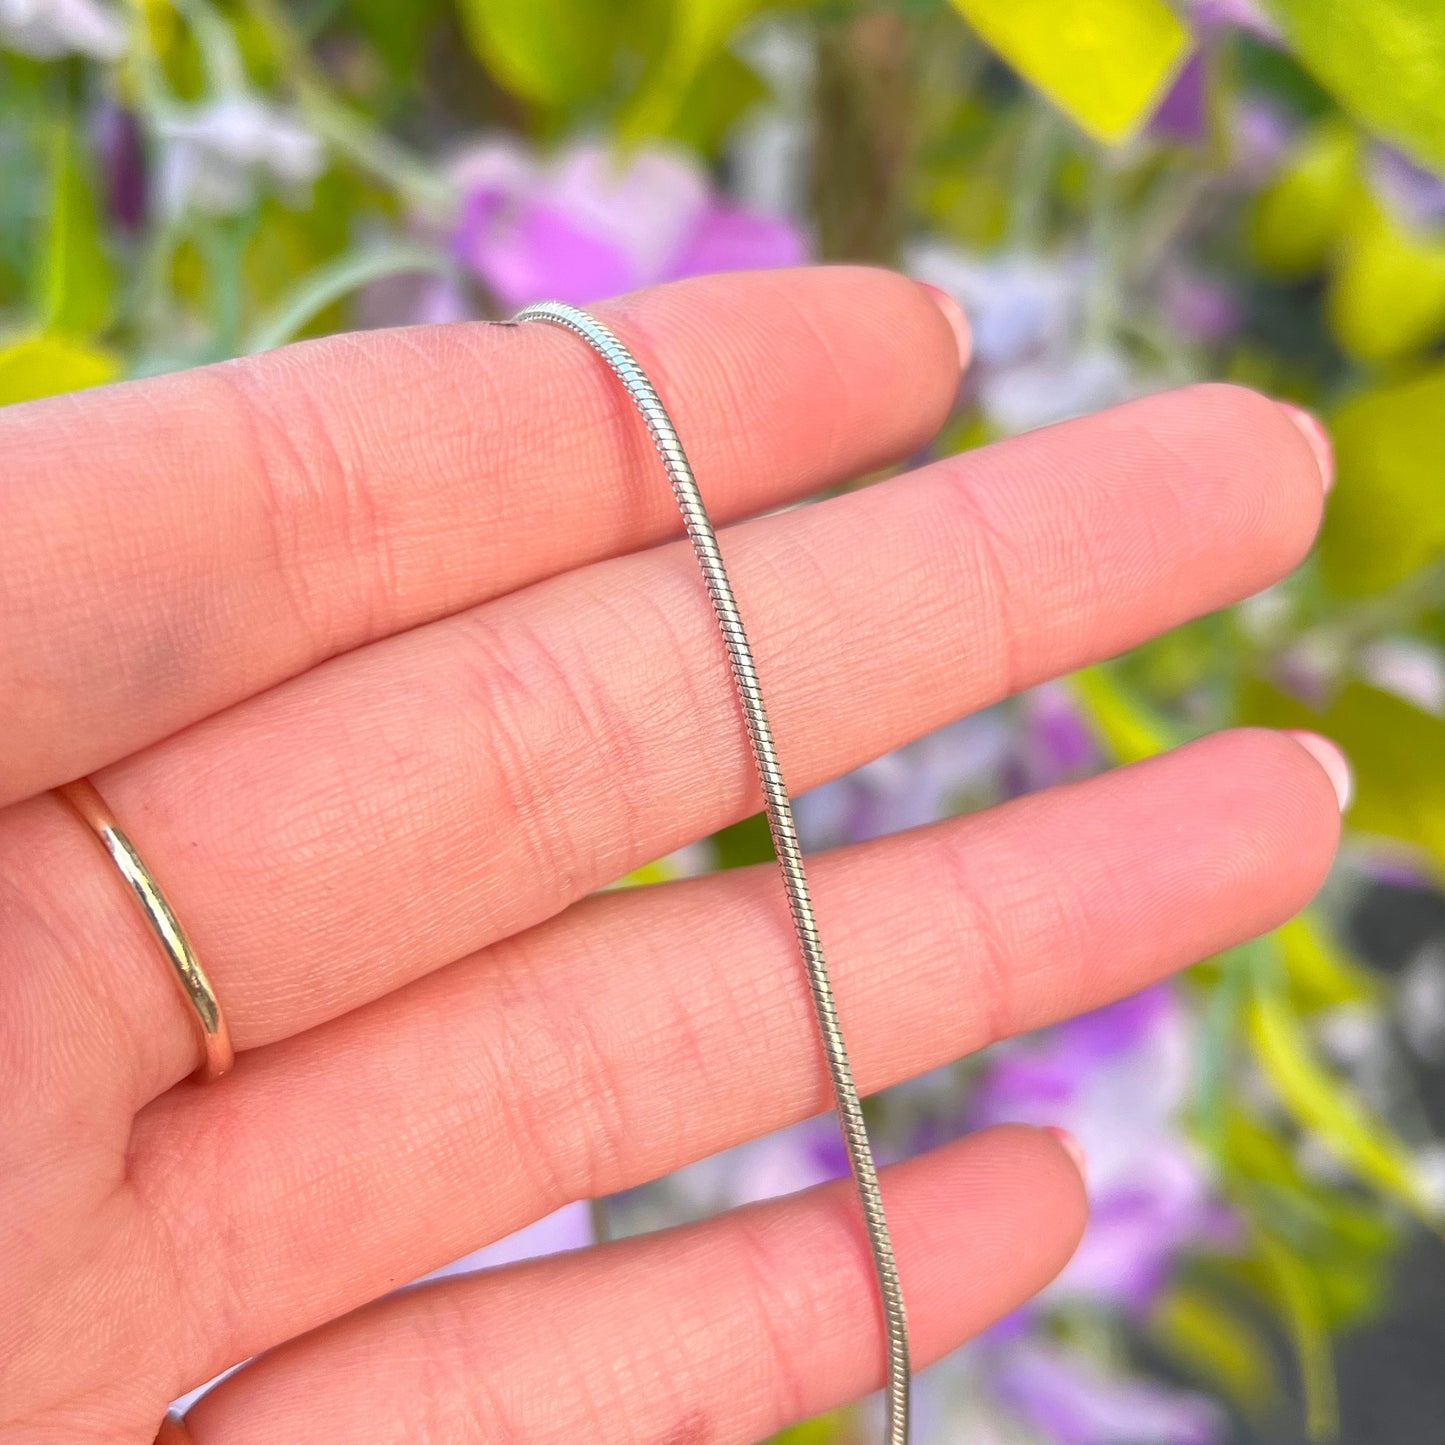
{"x":318,"y":505}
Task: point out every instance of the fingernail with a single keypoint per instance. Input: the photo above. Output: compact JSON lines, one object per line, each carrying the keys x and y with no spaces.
{"x":1313,"y":431}
{"x":1332,"y":759}
{"x":1071,"y":1147}
{"x":957,"y":321}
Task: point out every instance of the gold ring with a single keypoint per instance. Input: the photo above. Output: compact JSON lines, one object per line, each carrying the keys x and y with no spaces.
{"x":173,"y":1431}
{"x":215,"y":1035}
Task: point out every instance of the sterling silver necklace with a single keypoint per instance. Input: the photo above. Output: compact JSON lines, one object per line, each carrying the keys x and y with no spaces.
{"x":780,"y":822}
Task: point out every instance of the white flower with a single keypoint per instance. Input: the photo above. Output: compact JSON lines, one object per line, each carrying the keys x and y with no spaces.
{"x":46,"y":29}
{"x":1057,"y":388}
{"x":1420,"y":1004}
{"x":216,"y":154}
{"x":1018,"y":305}
{"x":1409,"y":668}
{"x":1033,"y":363}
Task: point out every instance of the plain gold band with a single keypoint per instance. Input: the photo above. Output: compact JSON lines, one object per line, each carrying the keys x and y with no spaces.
{"x":173,"y":1431}
{"x":185,"y":966}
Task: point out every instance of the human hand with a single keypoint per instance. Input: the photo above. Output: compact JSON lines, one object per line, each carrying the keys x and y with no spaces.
{"x":370,"y":650}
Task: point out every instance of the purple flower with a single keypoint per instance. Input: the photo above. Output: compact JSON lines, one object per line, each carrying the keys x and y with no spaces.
{"x":1415,"y":195}
{"x":585,"y":224}
{"x":116,"y":137}
{"x":780,"y":1163}
{"x":1260,"y":134}
{"x":1073,"y":1402}
{"x":1183,"y":114}
{"x":1209,"y":17}
{"x":1198,"y":307}
{"x":567,"y":1228}
{"x":917,"y":784}
{"x":1054,"y":743}
{"x":1116,"y":1079}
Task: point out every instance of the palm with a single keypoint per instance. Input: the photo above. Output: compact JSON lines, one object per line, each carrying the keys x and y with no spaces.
{"x":362,"y":644}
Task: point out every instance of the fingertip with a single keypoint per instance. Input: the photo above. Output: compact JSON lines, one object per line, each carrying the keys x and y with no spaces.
{"x":1071,"y":1147}
{"x":1275,"y":826}
{"x":1312,"y":429}
{"x":1263,"y":463}
{"x":1331,"y":758}
{"x":953,"y":314}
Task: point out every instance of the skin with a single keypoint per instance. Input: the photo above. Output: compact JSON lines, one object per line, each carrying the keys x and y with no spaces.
{"x":371,"y":645}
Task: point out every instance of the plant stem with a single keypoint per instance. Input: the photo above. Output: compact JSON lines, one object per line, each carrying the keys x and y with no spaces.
{"x":361,"y":143}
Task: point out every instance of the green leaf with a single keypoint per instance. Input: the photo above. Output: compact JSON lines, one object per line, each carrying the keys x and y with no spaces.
{"x":336,"y":279}
{"x":1324,"y":1104}
{"x":76,"y":276}
{"x":397,"y":31}
{"x":1385,"y":517}
{"x":1383,"y":59}
{"x":1217,"y":1043}
{"x":554,"y":53}
{"x":740,"y":845}
{"x":1104,"y":63}
{"x":1297,"y":219}
{"x":697,"y":32}
{"x":1387,"y":295}
{"x":46,"y":365}
{"x":725,"y":89}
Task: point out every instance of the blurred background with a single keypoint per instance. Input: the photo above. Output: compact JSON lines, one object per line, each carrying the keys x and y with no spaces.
{"x":1125,"y":195}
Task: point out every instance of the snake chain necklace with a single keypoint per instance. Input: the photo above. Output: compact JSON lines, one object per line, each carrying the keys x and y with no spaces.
{"x":780,"y":823}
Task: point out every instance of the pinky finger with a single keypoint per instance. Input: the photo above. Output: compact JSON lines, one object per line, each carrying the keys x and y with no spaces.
{"x":724,"y":1331}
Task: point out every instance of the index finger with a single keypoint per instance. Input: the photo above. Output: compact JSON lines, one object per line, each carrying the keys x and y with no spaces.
{"x":172,"y":546}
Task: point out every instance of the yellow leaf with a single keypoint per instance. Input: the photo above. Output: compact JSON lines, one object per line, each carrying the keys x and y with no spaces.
{"x":825,"y":1430}
{"x":1384,"y":59}
{"x":1387,"y":296}
{"x":1297,"y":219}
{"x":47,"y":364}
{"x":1125,"y":724}
{"x":1104,"y":63}
{"x":1215,"y":1342}
{"x":76,"y":273}
{"x":1324,"y":1104}
{"x":1385,"y":519}
{"x":1297,"y":1295}
{"x":1395,"y":749}
{"x":1320,"y":974}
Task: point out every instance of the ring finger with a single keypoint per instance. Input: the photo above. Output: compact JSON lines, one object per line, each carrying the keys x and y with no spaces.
{"x":404,"y":805}
{"x":643,"y":1029}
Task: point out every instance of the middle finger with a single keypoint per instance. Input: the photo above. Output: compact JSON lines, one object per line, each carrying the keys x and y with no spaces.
{"x":406,"y":804}
{"x":646,"y":1028}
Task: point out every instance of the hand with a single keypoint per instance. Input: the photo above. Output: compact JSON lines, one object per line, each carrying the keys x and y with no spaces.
{"x":369,"y":647}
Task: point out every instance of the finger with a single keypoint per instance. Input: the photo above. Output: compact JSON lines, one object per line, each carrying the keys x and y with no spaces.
{"x":418,"y":799}
{"x":644,"y":1029}
{"x":724,"y":1331}
{"x":171,"y":546}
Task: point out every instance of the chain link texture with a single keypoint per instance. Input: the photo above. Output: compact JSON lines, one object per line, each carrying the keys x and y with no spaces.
{"x":780,"y":822}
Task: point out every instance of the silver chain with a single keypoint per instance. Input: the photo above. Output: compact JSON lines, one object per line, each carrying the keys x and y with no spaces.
{"x":780,"y":822}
